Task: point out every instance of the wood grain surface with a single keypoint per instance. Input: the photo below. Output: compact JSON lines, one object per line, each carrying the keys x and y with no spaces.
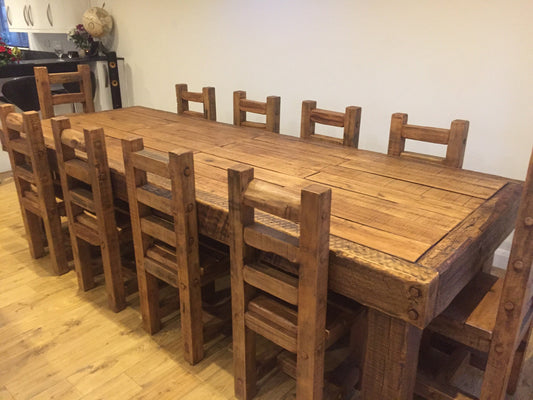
{"x":397,"y":226}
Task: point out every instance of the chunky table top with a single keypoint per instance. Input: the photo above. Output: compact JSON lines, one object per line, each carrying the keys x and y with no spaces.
{"x":406,"y":236}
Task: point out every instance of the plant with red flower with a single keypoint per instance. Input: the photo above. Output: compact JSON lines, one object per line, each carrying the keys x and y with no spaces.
{"x":8,"y":54}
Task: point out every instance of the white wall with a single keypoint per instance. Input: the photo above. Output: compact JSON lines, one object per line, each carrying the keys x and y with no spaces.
{"x":436,"y":60}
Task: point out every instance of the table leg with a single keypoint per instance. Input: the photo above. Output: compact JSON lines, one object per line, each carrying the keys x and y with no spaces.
{"x":391,"y":358}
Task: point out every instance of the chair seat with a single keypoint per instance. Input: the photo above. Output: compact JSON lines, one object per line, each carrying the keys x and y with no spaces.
{"x":471,"y":317}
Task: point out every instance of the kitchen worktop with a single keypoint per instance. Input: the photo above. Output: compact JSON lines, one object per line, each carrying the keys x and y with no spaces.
{"x":25,"y":67}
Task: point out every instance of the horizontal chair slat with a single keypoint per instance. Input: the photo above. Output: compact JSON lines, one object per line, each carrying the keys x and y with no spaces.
{"x":88,"y":221}
{"x":435,"y":135}
{"x":253,"y":106}
{"x":155,"y":197}
{"x":252,"y":124}
{"x":65,"y":77}
{"x":88,"y":235}
{"x":273,"y":281}
{"x":159,"y":228}
{"x":193,"y":96}
{"x":25,"y":172}
{"x":273,"y":241}
{"x":83,"y":198}
{"x":66,"y":98}
{"x":273,"y":199}
{"x":161,"y":271}
{"x":151,"y":161}
{"x":30,"y":202}
{"x":20,"y":145}
{"x":73,"y":138}
{"x":78,"y":169}
{"x":265,"y":327}
{"x":327,"y":117}
{"x":14,"y":121}
{"x":163,"y":254}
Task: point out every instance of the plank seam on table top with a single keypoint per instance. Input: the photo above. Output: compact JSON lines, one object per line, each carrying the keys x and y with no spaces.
{"x":340,"y":246}
{"x":311,"y":174}
{"x":388,"y":231}
{"x":262,"y":136}
{"x":171,"y":118}
{"x":388,"y":226}
{"x":354,"y":263}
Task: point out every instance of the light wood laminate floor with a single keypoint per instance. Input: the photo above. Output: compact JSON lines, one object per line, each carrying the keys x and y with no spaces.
{"x":59,"y":343}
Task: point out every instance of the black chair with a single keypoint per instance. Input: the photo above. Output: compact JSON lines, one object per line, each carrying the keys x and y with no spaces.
{"x":22,"y":92}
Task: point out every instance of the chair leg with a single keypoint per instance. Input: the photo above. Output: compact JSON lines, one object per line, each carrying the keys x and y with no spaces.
{"x":244,"y":342}
{"x":114,"y":283}
{"x":34,"y":233}
{"x":517,"y":364}
{"x":81,"y":252}
{"x":310,"y":373}
{"x":191,"y":315}
{"x":149,"y":299}
{"x":56,"y":243}
{"x":244,"y":364}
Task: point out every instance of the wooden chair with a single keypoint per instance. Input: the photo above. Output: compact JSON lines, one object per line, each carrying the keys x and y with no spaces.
{"x":167,"y":244}
{"x":24,"y":141}
{"x":284,"y":302}
{"x":454,"y":138}
{"x":206,"y":97}
{"x":47,"y":100}
{"x":93,"y":218}
{"x":350,"y":120}
{"x":270,"y":108}
{"x":493,"y":316}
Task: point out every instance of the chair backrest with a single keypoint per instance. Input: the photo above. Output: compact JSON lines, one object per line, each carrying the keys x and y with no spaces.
{"x":454,"y":138}
{"x":24,"y":140}
{"x":88,"y":194}
{"x":206,"y":97}
{"x":515,"y":311}
{"x":163,"y":209}
{"x":350,"y":120}
{"x":310,"y":251}
{"x":270,"y":108}
{"x":47,"y":100}
{"x":86,"y":180}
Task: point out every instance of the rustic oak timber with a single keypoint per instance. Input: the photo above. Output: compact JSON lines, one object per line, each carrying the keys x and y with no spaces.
{"x":206,"y":97}
{"x":47,"y":100}
{"x":92,"y":216}
{"x":302,"y":330}
{"x":23,"y":138}
{"x":350,"y":120}
{"x":271,"y":109}
{"x":495,"y":315}
{"x":41,"y":355}
{"x":396,"y":224}
{"x":389,"y":339}
{"x":454,"y":139}
{"x":167,"y":244}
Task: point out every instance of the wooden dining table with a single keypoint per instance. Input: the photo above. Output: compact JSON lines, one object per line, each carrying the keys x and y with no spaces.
{"x":406,"y":236}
